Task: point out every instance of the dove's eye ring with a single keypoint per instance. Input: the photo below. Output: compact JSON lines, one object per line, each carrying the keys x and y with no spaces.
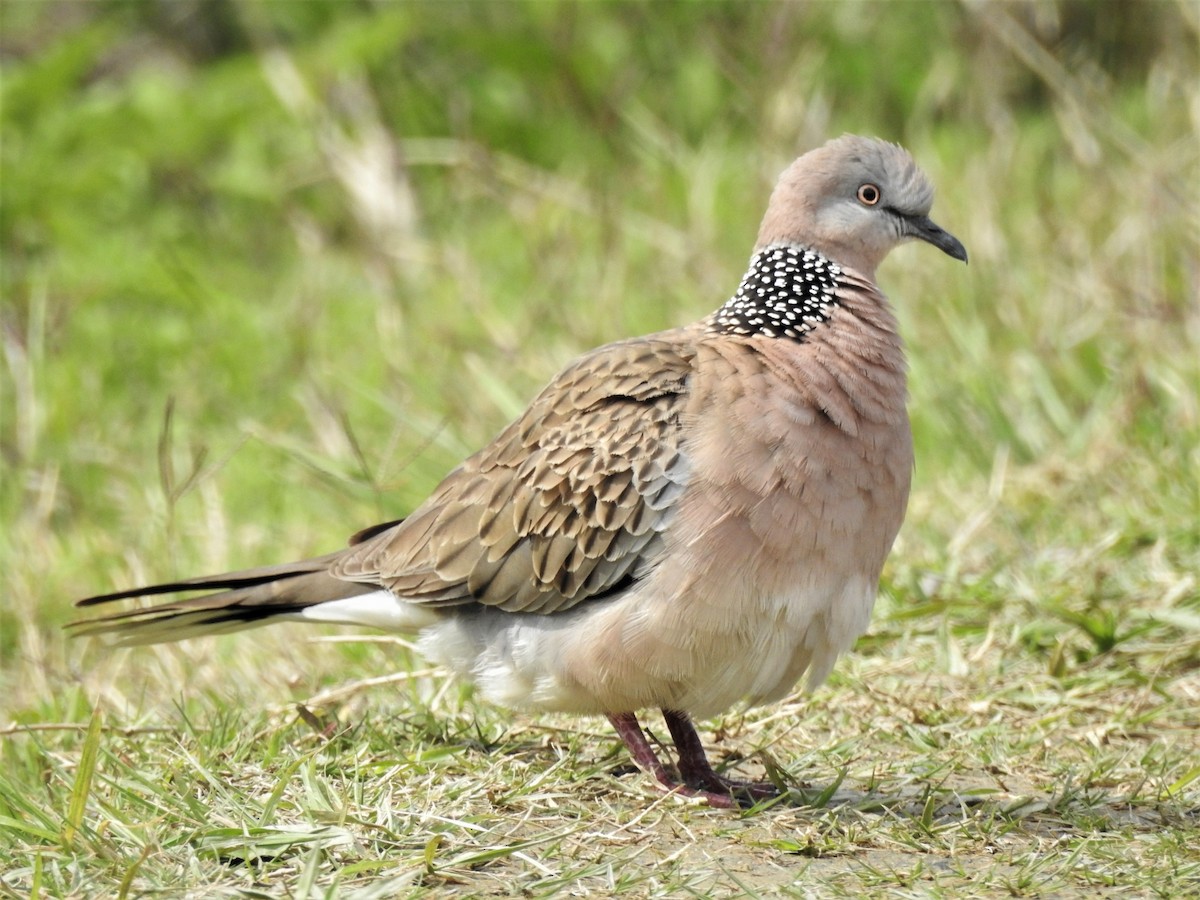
{"x":868,"y":195}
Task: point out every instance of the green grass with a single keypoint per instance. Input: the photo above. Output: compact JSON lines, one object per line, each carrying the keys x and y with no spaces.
{"x":221,"y":349}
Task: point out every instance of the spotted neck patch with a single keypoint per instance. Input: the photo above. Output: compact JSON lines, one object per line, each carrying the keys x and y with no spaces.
{"x":787,"y":292}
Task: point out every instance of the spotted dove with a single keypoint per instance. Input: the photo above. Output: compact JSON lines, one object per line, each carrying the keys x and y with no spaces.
{"x":684,"y":520}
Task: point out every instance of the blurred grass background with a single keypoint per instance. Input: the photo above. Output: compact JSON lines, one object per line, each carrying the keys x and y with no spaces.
{"x":270,"y":269}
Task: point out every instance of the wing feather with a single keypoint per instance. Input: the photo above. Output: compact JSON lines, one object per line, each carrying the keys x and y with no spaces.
{"x":566,"y":504}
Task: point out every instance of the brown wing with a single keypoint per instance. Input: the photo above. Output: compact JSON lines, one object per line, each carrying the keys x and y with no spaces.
{"x":567,"y":503}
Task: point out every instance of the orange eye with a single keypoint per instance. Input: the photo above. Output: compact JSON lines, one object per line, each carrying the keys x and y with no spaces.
{"x":868,"y":195}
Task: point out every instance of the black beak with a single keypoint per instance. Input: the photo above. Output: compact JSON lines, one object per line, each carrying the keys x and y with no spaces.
{"x":925,"y":229}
